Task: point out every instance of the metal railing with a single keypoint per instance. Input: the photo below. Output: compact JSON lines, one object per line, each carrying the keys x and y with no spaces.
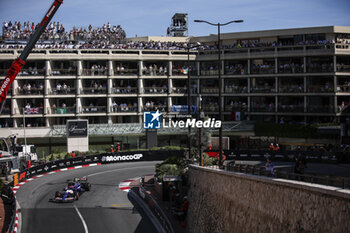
{"x":336,"y":181}
{"x":61,"y":91}
{"x":118,"y":108}
{"x":58,"y":72}
{"x":31,"y":91}
{"x":97,"y":72}
{"x":31,"y":72}
{"x":125,"y":71}
{"x":93,"y":109}
{"x":156,"y":210}
{"x":155,"y":90}
{"x":124,"y":90}
{"x":93,"y":91}
{"x":61,"y":110}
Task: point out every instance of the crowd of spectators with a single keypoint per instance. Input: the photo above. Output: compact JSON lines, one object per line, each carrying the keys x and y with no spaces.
{"x":236,"y":69}
{"x":96,"y":70}
{"x":153,"y":70}
{"x":110,"y":36}
{"x":123,"y":89}
{"x":265,"y":68}
{"x":124,"y":107}
{"x":154,"y":106}
{"x":236,"y":106}
{"x":62,"y":89}
{"x":156,"y":89}
{"x":291,"y":68}
{"x":32,"y":88}
{"x":95,"y":88}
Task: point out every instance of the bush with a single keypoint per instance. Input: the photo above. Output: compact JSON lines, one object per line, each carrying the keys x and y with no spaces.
{"x":210,"y":161}
{"x":172,"y":166}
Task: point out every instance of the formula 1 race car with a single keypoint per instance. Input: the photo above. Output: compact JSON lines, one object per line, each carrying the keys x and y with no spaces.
{"x":72,"y":191}
{"x":65,"y":196}
{"x":79,"y":184}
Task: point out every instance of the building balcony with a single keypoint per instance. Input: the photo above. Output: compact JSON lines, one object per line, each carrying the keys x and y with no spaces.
{"x":238,"y":108}
{"x":209,"y":72}
{"x":61,"y":91}
{"x":263,"y":70}
{"x":321,"y":109}
{"x":6,"y":111}
{"x":291,"y":89}
{"x":179,"y":90}
{"x":31,"y":72}
{"x":30,"y":91}
{"x":211,"y":107}
{"x":155,"y":90}
{"x":343,"y":68}
{"x":125,"y":72}
{"x":161,"y":108}
{"x":263,"y":90}
{"x":93,"y":91}
{"x":95,"y":72}
{"x":124,"y":90}
{"x":29,"y":111}
{"x":123,"y":108}
{"x":291,"y":108}
{"x":93,"y":109}
{"x":236,"y":89}
{"x":64,"y":72}
{"x":344,"y":88}
{"x":262,"y":108}
{"x":290,"y":69}
{"x":61,"y":110}
{"x":320,"y":89}
{"x":209,"y":90}
{"x":148,"y":72}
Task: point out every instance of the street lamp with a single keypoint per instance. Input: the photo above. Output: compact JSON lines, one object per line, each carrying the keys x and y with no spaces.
{"x":220,"y":80}
{"x":188,"y":47}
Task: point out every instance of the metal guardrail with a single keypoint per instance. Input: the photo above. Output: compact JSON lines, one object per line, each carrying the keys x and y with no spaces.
{"x":156,"y":210}
{"x":336,"y":181}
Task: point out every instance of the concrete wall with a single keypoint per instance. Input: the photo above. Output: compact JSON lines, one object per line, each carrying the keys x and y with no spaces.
{"x":232,"y":202}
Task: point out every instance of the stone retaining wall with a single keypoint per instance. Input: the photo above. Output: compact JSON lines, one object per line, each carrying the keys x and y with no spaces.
{"x":232,"y":202}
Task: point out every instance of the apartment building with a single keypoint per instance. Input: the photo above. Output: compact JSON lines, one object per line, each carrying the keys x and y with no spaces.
{"x":285,"y":76}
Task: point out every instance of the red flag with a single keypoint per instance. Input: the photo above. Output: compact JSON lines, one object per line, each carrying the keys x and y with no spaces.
{"x":11,"y":75}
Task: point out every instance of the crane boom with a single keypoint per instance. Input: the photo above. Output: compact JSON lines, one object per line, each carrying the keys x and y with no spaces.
{"x":19,"y":62}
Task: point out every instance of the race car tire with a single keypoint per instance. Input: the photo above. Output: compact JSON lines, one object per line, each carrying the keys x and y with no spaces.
{"x":76,"y":196}
{"x":88,"y":187}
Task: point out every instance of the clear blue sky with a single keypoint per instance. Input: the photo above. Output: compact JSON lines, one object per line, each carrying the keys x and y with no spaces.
{"x":153,"y":17}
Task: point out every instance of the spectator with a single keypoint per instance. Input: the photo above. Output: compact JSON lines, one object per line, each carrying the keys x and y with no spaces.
{"x":269,"y":167}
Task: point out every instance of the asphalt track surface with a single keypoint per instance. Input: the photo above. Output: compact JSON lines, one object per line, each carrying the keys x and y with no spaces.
{"x":105,"y":208}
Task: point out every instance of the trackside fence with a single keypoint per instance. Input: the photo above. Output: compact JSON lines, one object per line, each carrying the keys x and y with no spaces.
{"x":336,"y":181}
{"x":156,"y":210}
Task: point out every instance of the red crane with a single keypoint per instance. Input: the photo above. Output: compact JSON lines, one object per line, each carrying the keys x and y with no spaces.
{"x":21,"y":60}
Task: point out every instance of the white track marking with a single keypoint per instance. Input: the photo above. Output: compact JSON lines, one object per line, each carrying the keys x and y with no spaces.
{"x":82,"y":219}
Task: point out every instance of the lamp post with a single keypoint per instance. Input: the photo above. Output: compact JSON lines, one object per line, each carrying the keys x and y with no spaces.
{"x":188,"y":47}
{"x":219,"y":77}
